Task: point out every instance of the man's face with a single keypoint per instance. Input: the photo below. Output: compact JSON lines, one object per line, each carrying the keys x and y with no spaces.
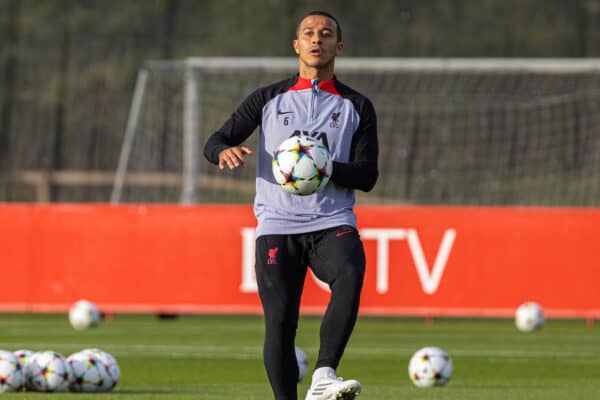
{"x":317,"y":43}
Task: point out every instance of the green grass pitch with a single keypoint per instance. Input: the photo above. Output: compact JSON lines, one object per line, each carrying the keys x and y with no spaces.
{"x":219,"y":357}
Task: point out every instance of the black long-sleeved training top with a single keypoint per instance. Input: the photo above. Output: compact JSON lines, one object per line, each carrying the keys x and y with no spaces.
{"x":343,"y":119}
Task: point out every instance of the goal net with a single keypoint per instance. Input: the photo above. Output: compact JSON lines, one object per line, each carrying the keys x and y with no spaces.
{"x":451,"y":131}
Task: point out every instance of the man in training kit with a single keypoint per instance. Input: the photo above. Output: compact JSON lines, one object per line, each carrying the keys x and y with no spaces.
{"x":318,"y":230}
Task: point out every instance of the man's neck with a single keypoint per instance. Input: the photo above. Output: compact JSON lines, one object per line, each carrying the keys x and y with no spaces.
{"x":320,"y":74}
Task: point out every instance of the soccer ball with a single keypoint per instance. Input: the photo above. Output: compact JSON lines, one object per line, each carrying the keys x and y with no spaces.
{"x":48,"y":371}
{"x":529,"y":317}
{"x":89,"y":373}
{"x":83,"y":315}
{"x":12,"y":375}
{"x":302,"y":363}
{"x":302,"y":165}
{"x":430,"y":366}
{"x":113,"y":372}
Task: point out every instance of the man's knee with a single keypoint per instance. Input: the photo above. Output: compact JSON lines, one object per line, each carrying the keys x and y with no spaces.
{"x":351,"y":280}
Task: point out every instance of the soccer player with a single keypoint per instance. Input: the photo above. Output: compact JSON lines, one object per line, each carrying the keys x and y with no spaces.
{"x":318,"y":230}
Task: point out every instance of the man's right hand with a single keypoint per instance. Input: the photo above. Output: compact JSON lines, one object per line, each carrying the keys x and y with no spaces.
{"x":233,"y":157}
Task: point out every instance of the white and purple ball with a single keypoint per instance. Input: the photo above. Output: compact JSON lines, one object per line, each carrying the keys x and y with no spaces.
{"x":429,"y":367}
{"x":302,"y":165}
{"x":89,"y":373}
{"x":12,"y":375}
{"x":529,"y":317}
{"x":48,"y":371}
{"x":111,"y":366}
{"x":302,"y":360}
{"x":84,"y":314}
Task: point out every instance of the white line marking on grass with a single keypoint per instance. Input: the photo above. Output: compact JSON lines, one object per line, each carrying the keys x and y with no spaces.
{"x":252,"y":352}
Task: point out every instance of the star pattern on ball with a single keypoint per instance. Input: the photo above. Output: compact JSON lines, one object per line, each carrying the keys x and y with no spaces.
{"x":301,"y":165}
{"x":320,"y":174}
{"x":46,"y":371}
{"x":64,"y":376}
{"x":303,"y":150}
{"x":291,"y":180}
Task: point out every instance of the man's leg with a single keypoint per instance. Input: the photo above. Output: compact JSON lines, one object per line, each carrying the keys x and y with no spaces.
{"x":280,"y":272}
{"x":338,"y":259}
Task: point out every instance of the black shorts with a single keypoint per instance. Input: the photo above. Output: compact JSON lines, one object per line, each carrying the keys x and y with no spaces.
{"x":282,"y":260}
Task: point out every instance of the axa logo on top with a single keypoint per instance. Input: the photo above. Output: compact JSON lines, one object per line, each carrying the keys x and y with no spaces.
{"x":430,"y":275}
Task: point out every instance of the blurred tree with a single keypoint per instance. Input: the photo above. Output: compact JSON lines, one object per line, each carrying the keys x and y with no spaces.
{"x":591,"y":34}
{"x":169,"y":24}
{"x":68,"y":67}
{"x":10,"y":63}
{"x":60,"y":105}
{"x":170,"y":16}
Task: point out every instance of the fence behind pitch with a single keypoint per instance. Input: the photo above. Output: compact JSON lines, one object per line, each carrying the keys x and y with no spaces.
{"x":454,"y":131}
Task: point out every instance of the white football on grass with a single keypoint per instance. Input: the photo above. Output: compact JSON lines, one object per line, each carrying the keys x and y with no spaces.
{"x":429,"y":367}
{"x":84,"y":314}
{"x":529,"y":317}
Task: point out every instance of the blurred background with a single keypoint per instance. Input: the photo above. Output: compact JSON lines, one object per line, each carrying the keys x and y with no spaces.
{"x":68,"y":70}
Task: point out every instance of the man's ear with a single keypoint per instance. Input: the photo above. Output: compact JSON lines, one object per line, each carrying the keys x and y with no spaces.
{"x":339,"y":48}
{"x":296,"y":47}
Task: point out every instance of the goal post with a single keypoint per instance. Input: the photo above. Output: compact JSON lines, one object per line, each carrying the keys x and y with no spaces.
{"x":451,"y":131}
{"x":134,"y":113}
{"x":191,"y":133}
